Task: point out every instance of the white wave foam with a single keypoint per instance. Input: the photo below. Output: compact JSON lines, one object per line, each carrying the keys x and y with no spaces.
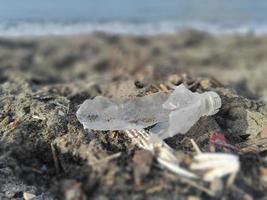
{"x":52,"y":28}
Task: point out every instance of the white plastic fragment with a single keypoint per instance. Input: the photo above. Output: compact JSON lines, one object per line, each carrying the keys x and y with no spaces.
{"x":215,"y":165}
{"x":170,"y":115}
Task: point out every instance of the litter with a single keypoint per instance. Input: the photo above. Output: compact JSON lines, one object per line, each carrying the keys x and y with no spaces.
{"x":164,"y":115}
{"x":216,"y":165}
{"x":163,"y":153}
{"x":205,"y":166}
{"x":168,"y":114}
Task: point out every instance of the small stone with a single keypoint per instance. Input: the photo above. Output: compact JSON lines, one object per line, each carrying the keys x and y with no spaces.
{"x":142,"y":160}
{"x":73,"y":190}
{"x":9,"y":194}
{"x":138,"y":84}
{"x":205,"y":84}
{"x":193,"y":198}
{"x":175,"y":79}
{"x":28,"y":196}
{"x":61,"y":113}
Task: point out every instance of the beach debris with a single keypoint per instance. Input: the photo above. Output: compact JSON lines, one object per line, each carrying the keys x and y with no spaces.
{"x":106,"y":159}
{"x":216,"y":165}
{"x":161,"y":150}
{"x":208,"y":167}
{"x":218,"y":140}
{"x":169,"y":114}
{"x":163,"y":114}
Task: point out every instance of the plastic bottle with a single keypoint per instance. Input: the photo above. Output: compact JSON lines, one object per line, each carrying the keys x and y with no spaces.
{"x":102,"y":113}
{"x":186,"y":108}
{"x":169,"y":115}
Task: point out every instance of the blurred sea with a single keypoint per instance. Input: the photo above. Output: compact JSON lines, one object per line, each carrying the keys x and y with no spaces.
{"x":139,"y":17}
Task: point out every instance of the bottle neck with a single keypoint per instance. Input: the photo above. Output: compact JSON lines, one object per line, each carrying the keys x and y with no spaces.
{"x":210,"y":103}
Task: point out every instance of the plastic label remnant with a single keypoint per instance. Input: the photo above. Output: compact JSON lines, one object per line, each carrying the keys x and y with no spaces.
{"x":165,"y":115}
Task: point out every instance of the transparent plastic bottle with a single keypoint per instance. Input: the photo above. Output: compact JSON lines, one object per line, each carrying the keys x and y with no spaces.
{"x":168,"y":114}
{"x":186,"y":108}
{"x":102,"y":113}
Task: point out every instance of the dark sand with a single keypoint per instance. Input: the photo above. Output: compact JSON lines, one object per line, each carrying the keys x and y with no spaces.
{"x":45,"y":151}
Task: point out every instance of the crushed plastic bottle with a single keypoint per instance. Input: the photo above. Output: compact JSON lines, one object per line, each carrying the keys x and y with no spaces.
{"x":168,"y":114}
{"x":186,"y":108}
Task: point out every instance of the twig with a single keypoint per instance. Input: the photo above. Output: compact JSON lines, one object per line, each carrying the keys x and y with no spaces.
{"x":106,"y":159}
{"x":164,"y":88}
{"x":6,"y":97}
{"x":55,"y":158}
{"x":175,"y":168}
{"x":195,"y":146}
{"x":192,"y":184}
{"x":198,"y":186}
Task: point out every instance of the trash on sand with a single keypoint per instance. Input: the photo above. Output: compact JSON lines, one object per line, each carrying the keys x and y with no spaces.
{"x":170,"y":114}
{"x":216,"y":165}
{"x":218,"y":140}
{"x":162,"y":152}
{"x":205,"y":166}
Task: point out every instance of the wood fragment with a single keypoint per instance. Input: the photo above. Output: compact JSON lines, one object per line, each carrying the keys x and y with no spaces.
{"x":195,"y":146}
{"x":164,"y":88}
{"x":55,"y":158}
{"x":155,"y":189}
{"x":106,"y":159}
{"x":191,"y":183}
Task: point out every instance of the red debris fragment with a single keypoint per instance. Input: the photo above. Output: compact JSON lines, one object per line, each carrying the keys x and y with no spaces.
{"x":217,"y":139}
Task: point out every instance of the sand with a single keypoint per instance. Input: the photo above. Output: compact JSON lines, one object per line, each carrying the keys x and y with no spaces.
{"x":46,"y":152}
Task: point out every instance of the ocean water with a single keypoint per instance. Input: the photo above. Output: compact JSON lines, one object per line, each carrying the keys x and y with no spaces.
{"x":139,"y":17}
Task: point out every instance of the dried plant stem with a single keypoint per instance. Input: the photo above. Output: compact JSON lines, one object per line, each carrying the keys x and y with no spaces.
{"x":106,"y":159}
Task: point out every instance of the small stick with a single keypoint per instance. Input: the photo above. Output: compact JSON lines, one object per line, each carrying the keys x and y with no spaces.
{"x":231,"y":180}
{"x":33,"y":169}
{"x":192,"y":184}
{"x":164,"y":88}
{"x":106,"y":159}
{"x":55,"y":158}
{"x":198,"y":186}
{"x":5,"y":97}
{"x":195,"y":146}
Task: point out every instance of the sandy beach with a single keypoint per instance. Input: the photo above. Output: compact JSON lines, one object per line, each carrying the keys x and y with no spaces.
{"x":236,"y":61}
{"x":46,"y":152}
